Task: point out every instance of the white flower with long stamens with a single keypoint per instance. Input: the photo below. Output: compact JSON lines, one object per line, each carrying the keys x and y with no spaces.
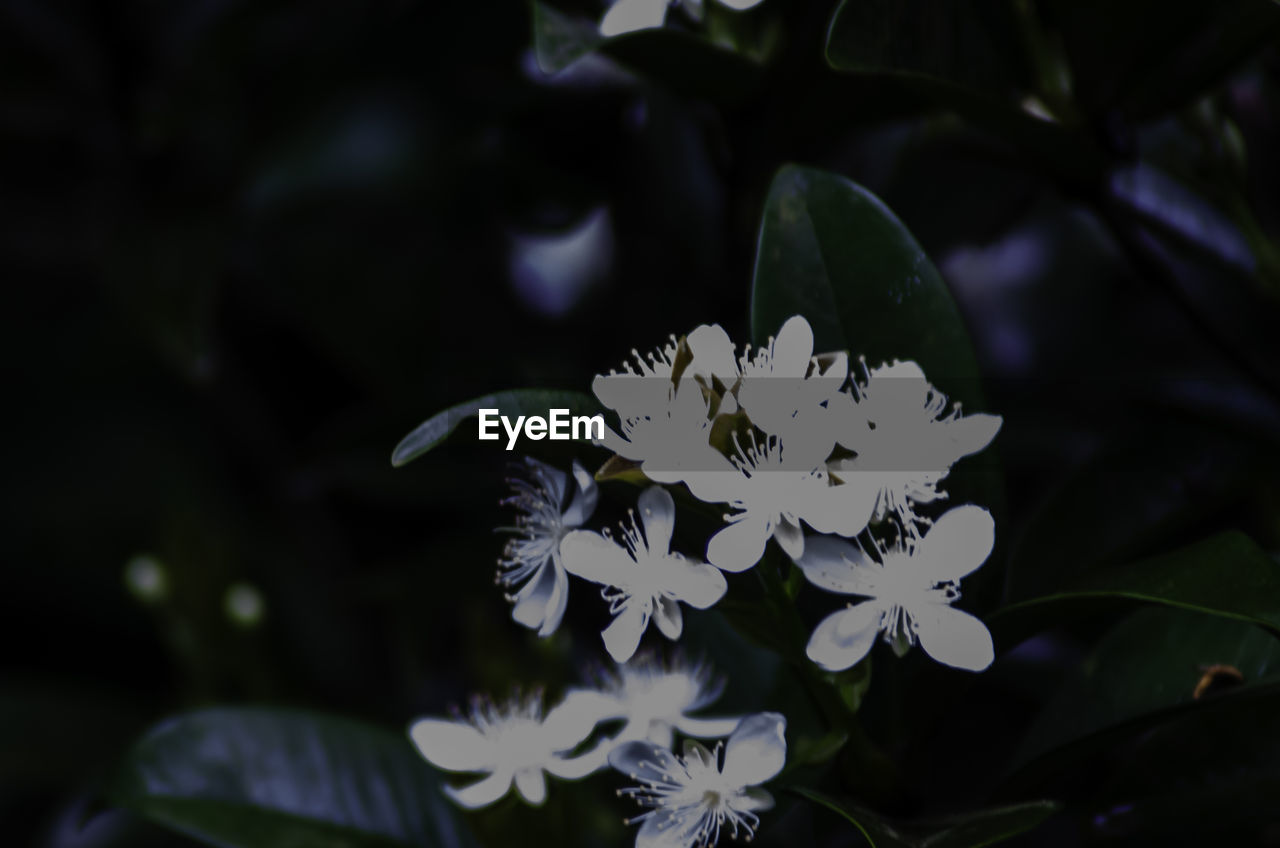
{"x":773,"y":490}
{"x":512,"y":742}
{"x":630,"y":15}
{"x":655,"y":699}
{"x":531,"y":559}
{"x":905,"y":440}
{"x":692,"y":799}
{"x":909,"y":589}
{"x":643,"y":579}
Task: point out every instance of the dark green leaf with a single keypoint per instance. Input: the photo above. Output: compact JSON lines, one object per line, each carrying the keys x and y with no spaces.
{"x":682,"y":61}
{"x":1226,"y":575}
{"x":1146,"y":667}
{"x":972,"y":830}
{"x":833,"y":252}
{"x":259,"y":778}
{"x":437,"y":428}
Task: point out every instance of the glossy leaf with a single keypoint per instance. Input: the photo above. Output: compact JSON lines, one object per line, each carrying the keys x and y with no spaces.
{"x":972,"y":830}
{"x":1225,"y":575}
{"x":832,"y":251}
{"x":436,"y":429}
{"x":259,"y":778}
{"x":1147,"y":667}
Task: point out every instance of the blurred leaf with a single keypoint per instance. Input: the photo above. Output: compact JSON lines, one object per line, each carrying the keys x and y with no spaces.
{"x":1150,"y":56}
{"x":260,"y":778}
{"x":437,"y":428}
{"x":963,"y":42}
{"x":833,"y":252}
{"x":681,"y":61}
{"x":1226,"y":575}
{"x":1144,"y":668}
{"x":972,"y":830}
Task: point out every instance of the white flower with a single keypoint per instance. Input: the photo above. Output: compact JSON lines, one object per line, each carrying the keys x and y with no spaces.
{"x":670,"y":437}
{"x":642,"y":386}
{"x":905,"y":444}
{"x":655,"y":700}
{"x":785,"y":390}
{"x":532,"y":556}
{"x":512,"y":742}
{"x":909,"y":593}
{"x":691,"y":799}
{"x":630,"y":15}
{"x":645,"y":578}
{"x":773,"y":489}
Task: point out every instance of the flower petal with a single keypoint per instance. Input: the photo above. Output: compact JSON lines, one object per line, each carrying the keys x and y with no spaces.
{"x":532,"y":786}
{"x":790,"y":537}
{"x":577,"y":714}
{"x":836,"y":565}
{"x":670,"y":829}
{"x":843,"y":509}
{"x":666,"y":614}
{"x":622,"y":637}
{"x":713,"y":353}
{"x":707,"y":728}
{"x":753,"y":799}
{"x":534,"y":600}
{"x":843,"y":638}
{"x":740,"y":544}
{"x":630,"y":15}
{"x":792,"y":348}
{"x":593,"y":557}
{"x":953,"y":637}
{"x":757,"y":750}
{"x":585,"y":496}
{"x":575,"y":768}
{"x":957,"y":544}
{"x":696,"y":583}
{"x":658,"y":514}
{"x":972,"y":433}
{"x":644,"y":761}
{"x":453,"y":745}
{"x":482,"y":793}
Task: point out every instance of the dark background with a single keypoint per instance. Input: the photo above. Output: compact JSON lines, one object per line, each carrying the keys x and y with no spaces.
{"x":248,"y":246}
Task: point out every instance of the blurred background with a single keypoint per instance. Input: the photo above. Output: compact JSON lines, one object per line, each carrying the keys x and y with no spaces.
{"x":246,"y":247}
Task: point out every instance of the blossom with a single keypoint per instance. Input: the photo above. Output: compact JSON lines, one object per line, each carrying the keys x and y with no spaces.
{"x":532,"y":556}
{"x":691,"y":799}
{"x":904,"y":442}
{"x":630,"y":15}
{"x":513,"y":742}
{"x":772,"y":490}
{"x":670,"y":438}
{"x":643,"y":579}
{"x":655,"y":699}
{"x":909,"y":592}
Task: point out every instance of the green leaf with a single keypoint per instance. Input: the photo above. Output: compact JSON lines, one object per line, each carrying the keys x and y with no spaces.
{"x":963,"y":42}
{"x":682,"y":61}
{"x":1225,"y":575}
{"x":261,"y":778}
{"x":1142,"y":671}
{"x":833,"y":252}
{"x":436,"y":429}
{"x":972,"y":830}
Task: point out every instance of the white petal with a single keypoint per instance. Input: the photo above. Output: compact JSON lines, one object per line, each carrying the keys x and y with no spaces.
{"x":836,"y":565}
{"x":453,"y":745}
{"x":972,"y":433}
{"x":740,"y":544}
{"x":757,"y":750}
{"x":740,"y":5}
{"x":793,"y":348}
{"x":585,"y":497}
{"x":483,"y":793}
{"x":957,"y":544}
{"x":622,"y":637}
{"x":666,"y":614}
{"x":559,"y":601}
{"x":843,"y":638}
{"x":713,"y":353}
{"x":790,"y":537}
{"x":642,"y":760}
{"x":696,"y":583}
{"x":532,"y":785}
{"x":631,"y":15}
{"x":534,"y":599}
{"x":575,"y":768}
{"x":658,"y":514}
{"x":707,"y":728}
{"x":753,"y":799}
{"x":843,"y":509}
{"x":953,"y":637}
{"x":677,"y":831}
{"x":593,"y":557}
{"x":573,"y":719}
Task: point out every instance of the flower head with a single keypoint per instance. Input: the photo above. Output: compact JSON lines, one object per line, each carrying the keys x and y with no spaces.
{"x":909,"y":591}
{"x":531,"y":558}
{"x":692,"y":799}
{"x":904,"y":438}
{"x":643,"y":579}
{"x":510,"y":740}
